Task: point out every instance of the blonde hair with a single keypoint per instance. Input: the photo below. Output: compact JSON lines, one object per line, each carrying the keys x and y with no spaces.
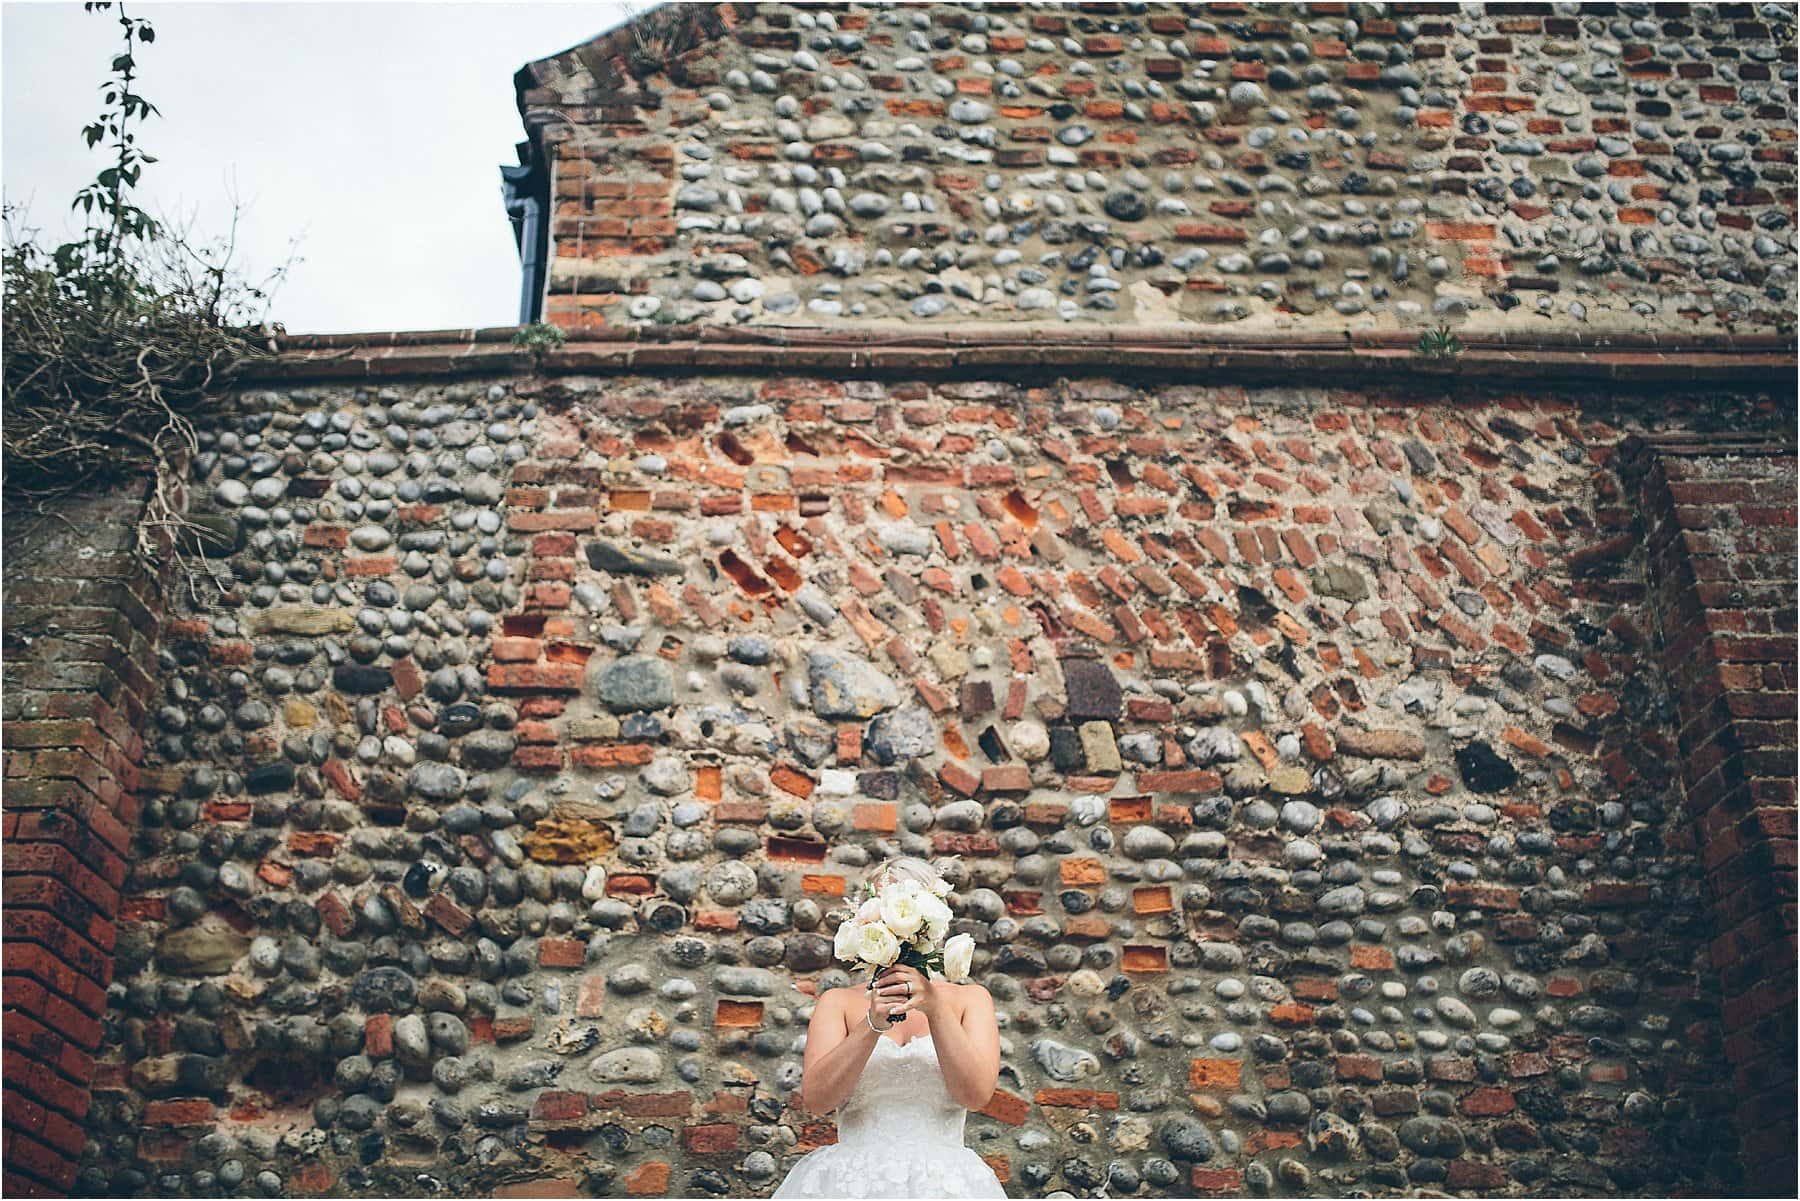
{"x":906,"y":867}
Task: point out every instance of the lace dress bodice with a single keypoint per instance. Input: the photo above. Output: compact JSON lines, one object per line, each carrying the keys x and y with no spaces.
{"x":899,"y":1135}
{"x":901,"y":1093}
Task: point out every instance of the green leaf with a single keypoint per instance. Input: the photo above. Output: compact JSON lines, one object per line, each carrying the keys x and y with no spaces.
{"x":146,"y":34}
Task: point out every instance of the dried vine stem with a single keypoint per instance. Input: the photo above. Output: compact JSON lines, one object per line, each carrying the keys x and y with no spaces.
{"x":102,"y":380}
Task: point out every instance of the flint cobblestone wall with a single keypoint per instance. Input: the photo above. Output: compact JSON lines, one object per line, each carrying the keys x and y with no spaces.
{"x":1614,"y":166}
{"x":1304,"y":759}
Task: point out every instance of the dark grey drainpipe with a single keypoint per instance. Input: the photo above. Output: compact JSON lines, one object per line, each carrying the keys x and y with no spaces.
{"x":525,"y":188}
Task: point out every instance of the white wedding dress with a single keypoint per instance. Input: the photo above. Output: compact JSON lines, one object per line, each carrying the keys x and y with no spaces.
{"x":899,"y":1135}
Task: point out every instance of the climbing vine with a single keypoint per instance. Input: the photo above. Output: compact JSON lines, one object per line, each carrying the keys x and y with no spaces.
{"x":114,"y":338}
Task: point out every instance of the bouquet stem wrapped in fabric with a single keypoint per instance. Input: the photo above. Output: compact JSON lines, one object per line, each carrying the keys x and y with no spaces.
{"x":905,"y":923}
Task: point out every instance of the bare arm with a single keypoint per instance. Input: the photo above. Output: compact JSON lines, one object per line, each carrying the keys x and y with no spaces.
{"x":835,"y":1054}
{"x":968,"y":1047}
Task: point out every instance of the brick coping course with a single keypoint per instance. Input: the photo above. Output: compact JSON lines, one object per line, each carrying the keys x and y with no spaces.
{"x":1626,"y":358}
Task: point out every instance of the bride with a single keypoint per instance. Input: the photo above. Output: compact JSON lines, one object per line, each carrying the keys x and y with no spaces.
{"x":902,"y":1062}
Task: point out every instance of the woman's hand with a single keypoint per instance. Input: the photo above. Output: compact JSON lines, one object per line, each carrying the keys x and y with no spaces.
{"x":885,"y":1004}
{"x":909,"y":990}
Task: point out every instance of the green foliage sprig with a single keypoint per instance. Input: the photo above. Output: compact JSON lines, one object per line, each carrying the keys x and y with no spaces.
{"x":540,"y":335}
{"x":1439,"y":343}
{"x":110,"y":191}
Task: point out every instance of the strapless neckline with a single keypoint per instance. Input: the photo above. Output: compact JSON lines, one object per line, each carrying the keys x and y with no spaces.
{"x":898,"y":1046}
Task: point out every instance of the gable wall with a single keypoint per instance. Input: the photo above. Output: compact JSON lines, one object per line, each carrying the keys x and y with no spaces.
{"x":1274,"y":166}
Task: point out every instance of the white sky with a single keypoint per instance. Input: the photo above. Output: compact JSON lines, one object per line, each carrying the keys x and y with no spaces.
{"x":372,"y":131}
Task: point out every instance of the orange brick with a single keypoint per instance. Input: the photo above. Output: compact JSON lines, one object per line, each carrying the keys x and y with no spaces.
{"x":1528,"y":743}
{"x":1291,"y":1015}
{"x":881,"y":816}
{"x":647,"y":1180}
{"x":1152,"y":900}
{"x":790,"y":781}
{"x":1460,"y":231}
{"x":743,"y":1014}
{"x":1078,"y":872}
{"x":551,"y":1186}
{"x":1216,"y":1073}
{"x":1145,"y":959}
{"x":1005,"y":1107}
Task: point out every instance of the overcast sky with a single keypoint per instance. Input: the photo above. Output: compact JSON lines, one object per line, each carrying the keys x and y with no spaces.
{"x":373,"y":132}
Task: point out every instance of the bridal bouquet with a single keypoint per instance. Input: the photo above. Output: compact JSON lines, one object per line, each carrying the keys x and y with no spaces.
{"x":905,"y":923}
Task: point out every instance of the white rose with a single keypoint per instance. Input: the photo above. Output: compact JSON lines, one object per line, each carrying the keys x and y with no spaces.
{"x":876,"y":944}
{"x":870,"y":911}
{"x":843,"y":945}
{"x":902,"y":910}
{"x":959,"y":953}
{"x":940,"y":887}
{"x":937,"y":918}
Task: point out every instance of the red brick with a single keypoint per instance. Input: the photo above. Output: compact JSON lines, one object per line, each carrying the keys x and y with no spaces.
{"x":1076,"y":1098}
{"x":179,"y":1113}
{"x":1005,"y":1107}
{"x":561,"y":952}
{"x":1488,"y":1103}
{"x":711,"y":1139}
{"x":553,"y":1106}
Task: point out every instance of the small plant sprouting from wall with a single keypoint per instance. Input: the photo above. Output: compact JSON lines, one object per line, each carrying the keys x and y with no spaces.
{"x":1439,"y":343}
{"x":663,"y":33}
{"x":540,"y":335}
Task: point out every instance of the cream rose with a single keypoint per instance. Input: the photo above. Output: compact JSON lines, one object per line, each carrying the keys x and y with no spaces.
{"x":902,"y":908}
{"x":843,"y":944}
{"x":959,"y":953}
{"x":937,"y":918}
{"x":876,"y":944}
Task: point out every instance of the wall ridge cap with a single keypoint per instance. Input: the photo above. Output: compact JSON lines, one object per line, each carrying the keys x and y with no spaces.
{"x":1021,"y":334}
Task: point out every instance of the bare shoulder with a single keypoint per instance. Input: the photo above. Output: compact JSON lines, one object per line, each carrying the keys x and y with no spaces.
{"x":971,"y":998}
{"x":833,"y":1004}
